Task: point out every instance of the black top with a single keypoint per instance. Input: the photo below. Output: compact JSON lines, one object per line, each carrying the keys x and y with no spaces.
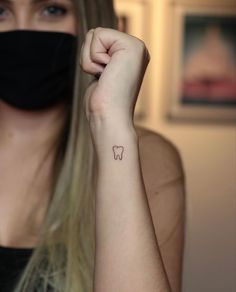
{"x":12,"y":263}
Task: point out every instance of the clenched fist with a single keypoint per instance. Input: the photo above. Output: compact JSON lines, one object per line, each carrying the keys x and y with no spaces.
{"x":121,"y":59}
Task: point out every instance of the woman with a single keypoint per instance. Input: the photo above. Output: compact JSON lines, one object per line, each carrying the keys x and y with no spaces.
{"x":62,"y":149}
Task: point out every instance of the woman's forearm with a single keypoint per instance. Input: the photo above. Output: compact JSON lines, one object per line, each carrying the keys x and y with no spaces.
{"x":127,"y":254}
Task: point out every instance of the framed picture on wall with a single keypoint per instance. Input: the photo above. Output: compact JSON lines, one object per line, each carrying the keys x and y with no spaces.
{"x":204,"y":64}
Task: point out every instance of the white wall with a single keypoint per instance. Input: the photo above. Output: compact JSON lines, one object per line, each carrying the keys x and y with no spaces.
{"x":209,"y":156}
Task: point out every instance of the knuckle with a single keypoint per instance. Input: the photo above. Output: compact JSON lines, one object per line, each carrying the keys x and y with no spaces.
{"x":139,"y":45}
{"x":144,"y":50}
{"x":91,"y":30}
{"x":98,"y":29}
{"x":89,"y":34}
{"x":143,"y":46}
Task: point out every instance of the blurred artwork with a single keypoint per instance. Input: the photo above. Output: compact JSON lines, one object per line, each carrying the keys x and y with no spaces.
{"x":123,"y":23}
{"x":209,"y":61}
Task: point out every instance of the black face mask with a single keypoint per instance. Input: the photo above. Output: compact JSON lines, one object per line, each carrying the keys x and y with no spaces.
{"x":37,"y":68}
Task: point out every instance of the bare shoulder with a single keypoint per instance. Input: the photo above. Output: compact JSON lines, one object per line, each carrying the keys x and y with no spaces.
{"x":163,"y":177}
{"x":159,"y":156}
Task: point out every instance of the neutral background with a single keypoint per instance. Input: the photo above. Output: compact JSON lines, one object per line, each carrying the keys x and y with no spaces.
{"x":208,"y":151}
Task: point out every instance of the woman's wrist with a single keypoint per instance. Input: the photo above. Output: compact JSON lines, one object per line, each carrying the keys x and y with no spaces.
{"x":110,"y":123}
{"x":110,"y":132}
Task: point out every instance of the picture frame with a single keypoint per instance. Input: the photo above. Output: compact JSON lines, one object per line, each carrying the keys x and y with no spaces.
{"x":133,"y":19}
{"x":203,"y":64}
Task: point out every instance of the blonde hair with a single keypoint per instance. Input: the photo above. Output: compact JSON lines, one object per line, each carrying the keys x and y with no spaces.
{"x":63,"y":259}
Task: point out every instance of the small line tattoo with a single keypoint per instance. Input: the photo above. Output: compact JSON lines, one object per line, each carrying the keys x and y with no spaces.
{"x":118,"y":152}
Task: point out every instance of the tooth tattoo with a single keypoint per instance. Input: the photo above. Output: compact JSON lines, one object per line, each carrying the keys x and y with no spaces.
{"x":118,"y":152}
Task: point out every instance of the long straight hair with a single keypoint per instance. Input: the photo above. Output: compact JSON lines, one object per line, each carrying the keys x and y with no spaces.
{"x":63,"y":260}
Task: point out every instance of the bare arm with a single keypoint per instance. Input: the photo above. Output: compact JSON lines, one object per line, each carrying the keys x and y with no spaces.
{"x":164,"y":181}
{"x":127,"y":254}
